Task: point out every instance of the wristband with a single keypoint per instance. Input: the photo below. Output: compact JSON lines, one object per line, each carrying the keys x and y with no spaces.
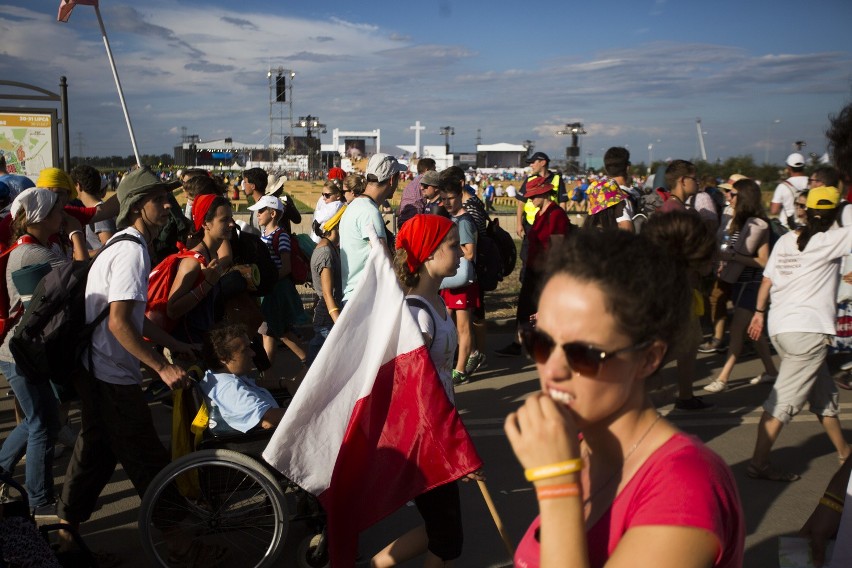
{"x":554,"y":469}
{"x":557,"y":491}
{"x":760,"y":311}
{"x":837,"y":499}
{"x":831,"y":505}
{"x":72,"y":233}
{"x":334,"y":310}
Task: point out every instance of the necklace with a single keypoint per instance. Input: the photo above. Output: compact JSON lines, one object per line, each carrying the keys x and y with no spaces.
{"x":624,"y":461}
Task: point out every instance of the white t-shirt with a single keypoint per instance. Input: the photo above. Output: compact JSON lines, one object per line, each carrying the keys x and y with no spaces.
{"x":119,"y":273}
{"x":355,"y":241}
{"x":442,"y":330}
{"x":511,"y":191}
{"x":785,"y":195}
{"x":804,"y":284}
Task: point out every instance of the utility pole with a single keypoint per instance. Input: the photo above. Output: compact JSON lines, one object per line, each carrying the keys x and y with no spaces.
{"x":80,"y":145}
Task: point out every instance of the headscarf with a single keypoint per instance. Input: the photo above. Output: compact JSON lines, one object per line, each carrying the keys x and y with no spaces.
{"x":334,"y":221}
{"x":420,"y":236}
{"x":55,"y":178}
{"x":604,"y":194}
{"x":200,"y":206}
{"x":36,"y":202}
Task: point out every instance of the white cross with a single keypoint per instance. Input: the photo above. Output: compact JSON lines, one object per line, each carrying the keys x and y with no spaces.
{"x":417,"y":128}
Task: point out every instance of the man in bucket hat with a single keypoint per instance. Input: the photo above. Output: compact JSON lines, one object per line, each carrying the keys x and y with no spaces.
{"x":117,"y":425}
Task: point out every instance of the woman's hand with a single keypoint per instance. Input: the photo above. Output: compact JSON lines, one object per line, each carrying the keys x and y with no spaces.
{"x":755,"y":328}
{"x":212,"y":272}
{"x":477,"y":475}
{"x":542,"y":432}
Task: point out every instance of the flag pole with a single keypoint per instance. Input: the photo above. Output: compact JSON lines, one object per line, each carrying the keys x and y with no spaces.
{"x":496,"y":517}
{"x":118,"y":85}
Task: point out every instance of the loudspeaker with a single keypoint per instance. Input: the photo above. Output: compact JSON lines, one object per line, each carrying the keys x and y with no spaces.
{"x":280,"y":89}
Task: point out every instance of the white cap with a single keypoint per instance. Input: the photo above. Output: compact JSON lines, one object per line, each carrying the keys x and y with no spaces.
{"x":796,"y":160}
{"x":383,"y":167}
{"x":269,"y":201}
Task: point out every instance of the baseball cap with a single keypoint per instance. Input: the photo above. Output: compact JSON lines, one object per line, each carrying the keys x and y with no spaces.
{"x":269,"y":201}
{"x":538,"y":156}
{"x":432,"y":178}
{"x":825,"y":197}
{"x":734,"y":178}
{"x":796,"y":160}
{"x":382,"y":167}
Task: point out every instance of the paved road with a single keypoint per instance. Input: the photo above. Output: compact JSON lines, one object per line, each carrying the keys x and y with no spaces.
{"x":772,"y":509}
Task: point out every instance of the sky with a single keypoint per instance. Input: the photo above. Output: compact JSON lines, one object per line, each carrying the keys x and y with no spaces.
{"x":635,"y":73}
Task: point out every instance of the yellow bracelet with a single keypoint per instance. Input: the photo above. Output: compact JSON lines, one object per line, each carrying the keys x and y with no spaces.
{"x":836,"y":498}
{"x":831,"y":505}
{"x":554,"y":469}
{"x":334,"y":310}
{"x":557,"y":491}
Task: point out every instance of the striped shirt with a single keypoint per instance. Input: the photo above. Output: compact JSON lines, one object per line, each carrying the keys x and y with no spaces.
{"x":283,"y":244}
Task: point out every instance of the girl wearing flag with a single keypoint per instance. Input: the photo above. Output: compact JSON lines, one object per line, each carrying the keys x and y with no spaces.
{"x":617,"y":485}
{"x":427,"y":251}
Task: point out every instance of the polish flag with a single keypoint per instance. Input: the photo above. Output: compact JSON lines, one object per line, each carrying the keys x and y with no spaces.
{"x":66,"y":6}
{"x":371,"y":426}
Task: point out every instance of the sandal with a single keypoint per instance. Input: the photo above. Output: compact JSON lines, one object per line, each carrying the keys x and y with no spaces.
{"x":769,"y":474}
{"x":199,"y":554}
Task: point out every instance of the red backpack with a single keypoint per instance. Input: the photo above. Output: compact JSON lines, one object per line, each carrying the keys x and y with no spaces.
{"x":8,"y":320}
{"x":160,"y":284}
{"x":300,"y":267}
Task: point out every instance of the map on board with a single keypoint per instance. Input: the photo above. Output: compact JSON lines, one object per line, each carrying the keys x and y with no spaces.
{"x":26,"y":141}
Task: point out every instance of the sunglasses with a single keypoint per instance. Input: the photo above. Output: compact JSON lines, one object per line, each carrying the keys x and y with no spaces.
{"x":732,"y":193}
{"x":582,"y":358}
{"x":328,"y":195}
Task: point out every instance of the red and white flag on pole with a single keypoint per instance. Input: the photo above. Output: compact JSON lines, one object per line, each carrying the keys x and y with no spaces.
{"x":371,"y":426}
{"x":67,"y":6}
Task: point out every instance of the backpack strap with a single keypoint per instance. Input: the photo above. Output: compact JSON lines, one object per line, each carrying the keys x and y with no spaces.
{"x":418,"y":303}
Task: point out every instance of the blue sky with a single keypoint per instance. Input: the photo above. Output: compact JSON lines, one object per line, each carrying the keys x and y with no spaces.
{"x":634,"y":72}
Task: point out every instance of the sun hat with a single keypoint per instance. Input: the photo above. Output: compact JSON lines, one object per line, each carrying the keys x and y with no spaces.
{"x":537,"y":186}
{"x":37,"y":203}
{"x":274,"y":183}
{"x":134,"y":187}
{"x":420,"y":236}
{"x":734,"y":178}
{"x":382,"y":167}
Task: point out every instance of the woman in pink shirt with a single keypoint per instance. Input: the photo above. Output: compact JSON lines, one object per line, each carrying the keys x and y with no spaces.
{"x":617,"y":485}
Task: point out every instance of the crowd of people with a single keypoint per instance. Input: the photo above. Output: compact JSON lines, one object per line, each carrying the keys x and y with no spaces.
{"x":601,"y":308}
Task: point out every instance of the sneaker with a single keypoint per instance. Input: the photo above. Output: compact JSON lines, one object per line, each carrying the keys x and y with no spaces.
{"x":712,"y":345}
{"x":694,"y":403}
{"x":460,"y":378}
{"x":763,"y":378}
{"x":511,"y":350}
{"x":46,"y":512}
{"x":716,"y":386}
{"x":4,"y":493}
{"x":474,"y":362}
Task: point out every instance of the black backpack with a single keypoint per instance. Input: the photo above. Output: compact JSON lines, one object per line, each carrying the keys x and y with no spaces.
{"x":250,"y":249}
{"x":52,"y":335}
{"x":505,"y":245}
{"x":489,"y":264}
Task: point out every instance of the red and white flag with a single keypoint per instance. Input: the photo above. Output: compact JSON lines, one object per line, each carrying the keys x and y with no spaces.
{"x":67,"y":6}
{"x":371,"y":426}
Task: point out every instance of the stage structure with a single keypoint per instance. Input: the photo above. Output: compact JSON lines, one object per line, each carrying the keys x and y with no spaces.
{"x":280,"y":93}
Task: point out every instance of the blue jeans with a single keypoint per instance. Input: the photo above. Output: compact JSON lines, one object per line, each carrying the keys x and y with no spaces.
{"x":35,"y":435}
{"x":317,"y":341}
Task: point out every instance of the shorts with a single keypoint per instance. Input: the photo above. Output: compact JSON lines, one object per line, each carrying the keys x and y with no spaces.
{"x":744,"y":295}
{"x":464,"y":298}
{"x":802,"y":377}
{"x":282,"y":309}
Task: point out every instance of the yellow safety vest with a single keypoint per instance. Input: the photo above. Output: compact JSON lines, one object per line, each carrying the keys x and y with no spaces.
{"x":531,"y":210}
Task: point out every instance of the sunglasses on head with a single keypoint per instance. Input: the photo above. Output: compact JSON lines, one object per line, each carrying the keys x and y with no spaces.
{"x":582,"y":357}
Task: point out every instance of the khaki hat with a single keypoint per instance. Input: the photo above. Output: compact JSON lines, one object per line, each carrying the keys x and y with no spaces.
{"x":134,"y":187}
{"x":729,"y":185}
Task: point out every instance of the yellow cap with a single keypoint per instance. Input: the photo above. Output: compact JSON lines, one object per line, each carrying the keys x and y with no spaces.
{"x":54,"y":178}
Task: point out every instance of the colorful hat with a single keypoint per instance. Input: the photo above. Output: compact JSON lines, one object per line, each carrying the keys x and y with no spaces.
{"x":604,"y":194}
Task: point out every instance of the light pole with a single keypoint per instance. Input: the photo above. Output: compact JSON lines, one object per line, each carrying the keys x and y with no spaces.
{"x":572,"y":153}
{"x":446,"y":132}
{"x":769,"y":137}
{"x":280,"y":91}
{"x":310,"y":124}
